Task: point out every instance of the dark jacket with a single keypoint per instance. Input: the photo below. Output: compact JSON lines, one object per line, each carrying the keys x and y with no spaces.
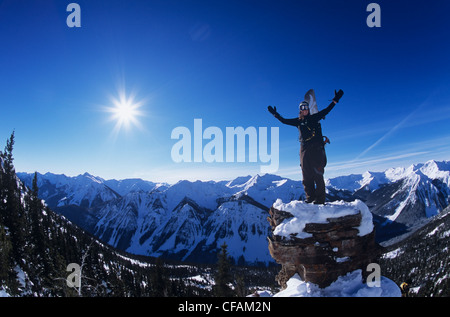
{"x":309,"y":127}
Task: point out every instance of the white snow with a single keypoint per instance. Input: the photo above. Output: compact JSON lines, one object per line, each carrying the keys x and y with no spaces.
{"x":261,"y":293}
{"x":350,"y":285}
{"x":435,"y":230}
{"x":4,"y":293}
{"x":309,"y":213}
{"x":224,"y":214}
{"x":343,"y":259}
{"x":393,"y":254}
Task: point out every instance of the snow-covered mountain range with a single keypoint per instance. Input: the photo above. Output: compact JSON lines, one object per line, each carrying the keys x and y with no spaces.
{"x":404,"y":195}
{"x":190,"y":220}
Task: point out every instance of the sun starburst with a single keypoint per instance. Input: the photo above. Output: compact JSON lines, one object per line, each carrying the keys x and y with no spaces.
{"x":125,"y":110}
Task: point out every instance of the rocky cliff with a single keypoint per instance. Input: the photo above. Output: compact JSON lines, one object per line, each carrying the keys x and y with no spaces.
{"x":321,"y":242}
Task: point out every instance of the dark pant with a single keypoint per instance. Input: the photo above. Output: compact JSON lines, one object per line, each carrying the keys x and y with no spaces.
{"x":313,"y":161}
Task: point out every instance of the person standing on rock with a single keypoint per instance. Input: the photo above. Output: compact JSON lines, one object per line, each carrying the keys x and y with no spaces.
{"x":312,"y":151}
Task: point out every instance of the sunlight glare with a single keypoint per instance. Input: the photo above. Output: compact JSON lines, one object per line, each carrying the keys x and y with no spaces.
{"x":125,"y":111}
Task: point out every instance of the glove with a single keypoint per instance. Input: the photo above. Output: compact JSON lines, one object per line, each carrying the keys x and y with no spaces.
{"x":338,"y":95}
{"x":272,"y":110}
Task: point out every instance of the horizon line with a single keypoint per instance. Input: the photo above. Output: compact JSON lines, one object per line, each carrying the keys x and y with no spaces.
{"x":218,"y":180}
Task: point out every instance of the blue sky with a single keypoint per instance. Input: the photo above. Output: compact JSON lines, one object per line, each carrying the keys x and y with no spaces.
{"x":223,"y":62}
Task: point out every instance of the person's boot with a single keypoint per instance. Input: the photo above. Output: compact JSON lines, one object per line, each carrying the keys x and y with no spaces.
{"x":320,"y":197}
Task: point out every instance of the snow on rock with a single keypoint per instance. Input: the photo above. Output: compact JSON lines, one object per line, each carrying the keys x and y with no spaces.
{"x":350,"y":285}
{"x":321,"y":243}
{"x":308,"y":213}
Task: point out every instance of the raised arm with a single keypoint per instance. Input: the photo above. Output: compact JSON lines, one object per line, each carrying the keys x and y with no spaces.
{"x":273,"y":111}
{"x":337,"y":96}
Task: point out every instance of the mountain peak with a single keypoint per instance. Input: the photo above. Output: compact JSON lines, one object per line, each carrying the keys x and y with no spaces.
{"x":93,"y":178}
{"x":239,"y":181}
{"x":435,"y":169}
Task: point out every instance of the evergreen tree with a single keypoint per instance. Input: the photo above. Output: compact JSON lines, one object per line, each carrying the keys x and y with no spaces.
{"x":3,"y":190}
{"x":223,"y":275}
{"x":43,"y":266}
{"x":241,"y":290}
{"x":6,"y":266}
{"x":5,"y":243}
{"x":11,"y":208}
{"x":8,"y":276}
{"x":158,"y":279}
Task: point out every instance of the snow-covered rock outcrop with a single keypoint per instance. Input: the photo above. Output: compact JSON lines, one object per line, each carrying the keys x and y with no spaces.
{"x":321,"y":245}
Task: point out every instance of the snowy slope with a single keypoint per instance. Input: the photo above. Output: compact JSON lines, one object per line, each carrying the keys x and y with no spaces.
{"x":60,"y":190}
{"x":190,"y":220}
{"x":374,"y":180}
{"x":423,"y":259}
{"x":350,"y":285}
{"x":187,"y":231}
{"x":125,"y":186}
{"x":418,"y":192}
{"x":405,"y":195}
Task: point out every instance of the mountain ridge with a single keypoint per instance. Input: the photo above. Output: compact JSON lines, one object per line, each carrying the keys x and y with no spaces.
{"x":189,"y":220}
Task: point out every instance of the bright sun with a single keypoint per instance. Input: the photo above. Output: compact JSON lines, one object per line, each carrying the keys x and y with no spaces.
{"x":125,"y":111}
